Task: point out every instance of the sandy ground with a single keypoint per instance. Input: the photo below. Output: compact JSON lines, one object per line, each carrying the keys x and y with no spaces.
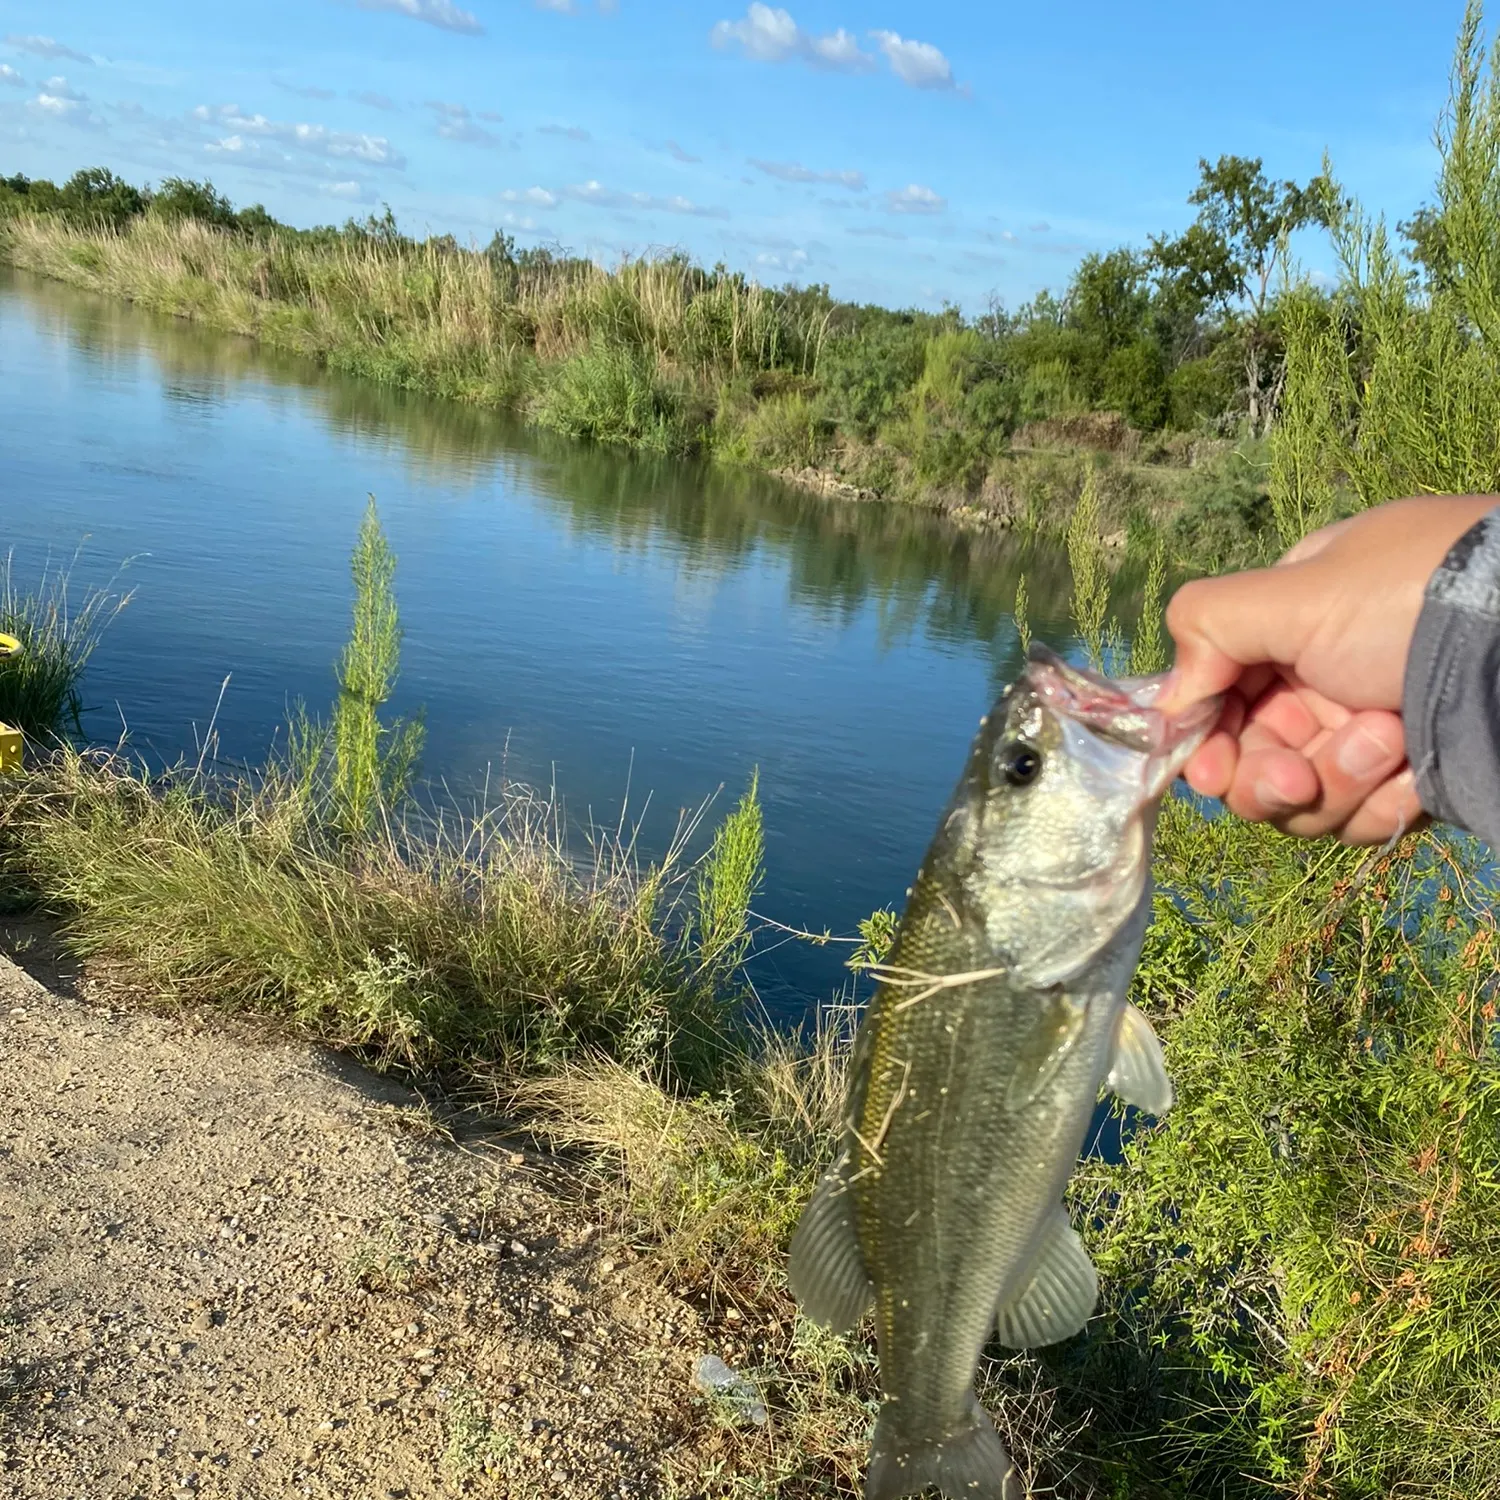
{"x":230,"y":1266}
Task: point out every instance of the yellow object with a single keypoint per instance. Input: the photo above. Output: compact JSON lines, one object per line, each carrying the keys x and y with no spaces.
{"x":10,"y":739}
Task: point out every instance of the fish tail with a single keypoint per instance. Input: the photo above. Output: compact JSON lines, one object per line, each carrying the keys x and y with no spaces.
{"x":969,"y":1463}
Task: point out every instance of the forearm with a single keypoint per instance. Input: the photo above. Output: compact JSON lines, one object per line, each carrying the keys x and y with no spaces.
{"x":1451,"y":693}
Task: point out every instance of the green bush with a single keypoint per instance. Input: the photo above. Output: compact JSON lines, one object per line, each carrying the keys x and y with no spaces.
{"x":1134,"y":382}
{"x":1202,"y":390}
{"x":866,"y":375}
{"x":615,"y":394}
{"x":1225,"y":518}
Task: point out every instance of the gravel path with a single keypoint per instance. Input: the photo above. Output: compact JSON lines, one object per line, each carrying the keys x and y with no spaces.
{"x":235,"y":1267}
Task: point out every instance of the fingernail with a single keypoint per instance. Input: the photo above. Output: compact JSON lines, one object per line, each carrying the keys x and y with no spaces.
{"x":1362,"y":753}
{"x":1271,"y":798}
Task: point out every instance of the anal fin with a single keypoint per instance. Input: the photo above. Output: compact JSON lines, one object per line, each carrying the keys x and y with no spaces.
{"x":826,"y":1269}
{"x":1060,"y":1297}
{"x":1138,"y":1072}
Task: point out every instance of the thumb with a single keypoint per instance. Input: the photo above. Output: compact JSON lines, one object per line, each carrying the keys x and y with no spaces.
{"x":1224,"y":625}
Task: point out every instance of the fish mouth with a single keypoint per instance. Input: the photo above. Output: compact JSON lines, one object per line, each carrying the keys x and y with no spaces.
{"x":1122,"y":711}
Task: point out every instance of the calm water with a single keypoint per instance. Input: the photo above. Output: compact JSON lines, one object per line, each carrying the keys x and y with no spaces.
{"x":577,"y":618}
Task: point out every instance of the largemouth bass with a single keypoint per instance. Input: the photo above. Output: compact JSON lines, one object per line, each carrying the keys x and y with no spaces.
{"x":1000,"y":1014}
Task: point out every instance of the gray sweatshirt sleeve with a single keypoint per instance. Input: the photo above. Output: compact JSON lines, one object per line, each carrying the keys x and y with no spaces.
{"x":1451,"y":693}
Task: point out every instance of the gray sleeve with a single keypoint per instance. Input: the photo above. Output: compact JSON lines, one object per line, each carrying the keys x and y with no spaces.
{"x":1451,"y":693}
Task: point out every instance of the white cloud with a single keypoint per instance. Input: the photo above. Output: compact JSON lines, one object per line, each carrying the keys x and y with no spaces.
{"x":303,"y":90}
{"x":456,"y":122}
{"x":562,"y":7}
{"x":532,"y":197}
{"x":440,"y":13}
{"x":344,"y":189}
{"x":914,"y":199}
{"x":771,"y":35}
{"x":46,"y":46}
{"x":876,"y":232}
{"x":375,"y":101}
{"x":790,"y":171}
{"x":59,"y":100}
{"x":9,"y":75}
{"x":918,"y":64}
{"x":247,"y":131}
{"x":598,"y":196}
{"x":793,"y":260}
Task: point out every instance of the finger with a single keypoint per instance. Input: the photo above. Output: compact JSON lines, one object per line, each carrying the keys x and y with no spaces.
{"x":1210,"y":769}
{"x":1283,"y":716}
{"x":1313,"y":543}
{"x":1271,"y":784}
{"x":1350,"y":766}
{"x":1392,"y":808}
{"x":1223,"y":625}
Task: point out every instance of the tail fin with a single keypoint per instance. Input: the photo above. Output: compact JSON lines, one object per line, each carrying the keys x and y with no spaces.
{"x":969,"y":1464}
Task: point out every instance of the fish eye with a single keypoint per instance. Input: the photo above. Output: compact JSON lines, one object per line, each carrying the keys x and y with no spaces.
{"x":1019,"y":762}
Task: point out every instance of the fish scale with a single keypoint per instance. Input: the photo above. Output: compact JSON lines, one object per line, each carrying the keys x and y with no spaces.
{"x":1000,"y":1014}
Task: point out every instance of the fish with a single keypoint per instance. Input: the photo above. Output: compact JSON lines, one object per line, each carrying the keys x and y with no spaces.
{"x":1001,"y":1013}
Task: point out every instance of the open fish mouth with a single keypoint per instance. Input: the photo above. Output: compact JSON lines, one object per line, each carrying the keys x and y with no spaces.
{"x":1121,"y":711}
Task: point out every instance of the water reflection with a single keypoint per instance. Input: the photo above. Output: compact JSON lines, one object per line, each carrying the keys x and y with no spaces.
{"x":586,"y":615}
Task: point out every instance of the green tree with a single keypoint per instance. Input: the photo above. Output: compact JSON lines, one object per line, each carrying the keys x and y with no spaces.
{"x":95,"y":195}
{"x":1229,"y":260}
{"x":182,"y":198}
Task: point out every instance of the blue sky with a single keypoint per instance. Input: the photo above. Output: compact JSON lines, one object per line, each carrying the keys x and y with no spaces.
{"x":905,"y":153}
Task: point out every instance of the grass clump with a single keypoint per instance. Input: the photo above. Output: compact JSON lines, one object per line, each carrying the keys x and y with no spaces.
{"x":39,"y":686}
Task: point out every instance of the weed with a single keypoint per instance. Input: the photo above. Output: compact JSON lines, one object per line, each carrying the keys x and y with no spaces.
{"x":476,"y":1445}
{"x":39,"y":685}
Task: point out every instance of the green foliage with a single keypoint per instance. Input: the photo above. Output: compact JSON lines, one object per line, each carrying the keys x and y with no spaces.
{"x":1133,"y":381}
{"x":1090,"y":573}
{"x":39,"y":686}
{"x":784,"y":431}
{"x":1021,"y":614}
{"x":1148,"y":645}
{"x":1224,"y":518}
{"x":866,"y":375}
{"x":877,"y":933}
{"x":727,"y":882}
{"x":184,"y":198}
{"x":370,"y":765}
{"x":615,"y":394}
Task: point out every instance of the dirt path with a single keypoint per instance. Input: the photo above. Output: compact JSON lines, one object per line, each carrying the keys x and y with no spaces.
{"x":240,"y":1268}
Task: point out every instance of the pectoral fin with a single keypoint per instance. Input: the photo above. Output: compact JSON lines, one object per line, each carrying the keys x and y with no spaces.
{"x":1138,"y":1074}
{"x":1060,"y":1297}
{"x":1055,"y":1032}
{"x":826,"y":1269}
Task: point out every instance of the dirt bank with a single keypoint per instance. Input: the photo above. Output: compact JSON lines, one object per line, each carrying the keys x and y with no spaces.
{"x":230,"y":1266}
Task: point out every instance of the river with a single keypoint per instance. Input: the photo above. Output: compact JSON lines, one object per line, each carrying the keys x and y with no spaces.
{"x":579,"y":619}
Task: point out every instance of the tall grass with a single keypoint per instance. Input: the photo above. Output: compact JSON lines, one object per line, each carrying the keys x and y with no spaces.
{"x":632,"y":355}
{"x":40,"y":685}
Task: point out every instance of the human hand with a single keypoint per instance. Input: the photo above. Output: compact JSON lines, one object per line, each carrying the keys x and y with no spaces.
{"x":1311,"y":655}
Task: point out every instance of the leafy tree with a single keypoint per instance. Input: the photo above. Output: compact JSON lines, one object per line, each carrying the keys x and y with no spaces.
{"x":255,"y":220}
{"x":1109,"y":299}
{"x":1229,"y":259}
{"x":182,"y":198}
{"x":95,"y":195}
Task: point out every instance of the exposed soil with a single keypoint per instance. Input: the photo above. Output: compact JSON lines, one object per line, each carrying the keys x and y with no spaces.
{"x":232,"y":1266}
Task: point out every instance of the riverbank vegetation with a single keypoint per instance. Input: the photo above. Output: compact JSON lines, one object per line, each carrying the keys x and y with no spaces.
{"x":1163,"y":365}
{"x":58,"y":633}
{"x":1297,"y":1262}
